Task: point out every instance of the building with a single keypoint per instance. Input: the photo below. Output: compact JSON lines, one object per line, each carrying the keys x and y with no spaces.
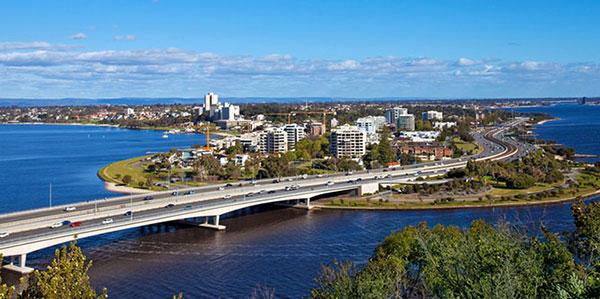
{"x":432,"y":115}
{"x":130,"y":112}
{"x":219,"y":111}
{"x":315,"y":128}
{"x":391,"y":114}
{"x":438,"y":125}
{"x":295,"y":133}
{"x":348,"y":141}
{"x":334,"y":122}
{"x":370,"y":124}
{"x":249,"y":141}
{"x":419,"y":136}
{"x":210,"y":99}
{"x":273,"y":140}
{"x":405,"y":122}
{"x":427,"y":151}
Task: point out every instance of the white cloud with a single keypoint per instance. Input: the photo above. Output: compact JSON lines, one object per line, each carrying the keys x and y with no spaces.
{"x":128,"y":37}
{"x":61,"y":70}
{"x":79,"y":36}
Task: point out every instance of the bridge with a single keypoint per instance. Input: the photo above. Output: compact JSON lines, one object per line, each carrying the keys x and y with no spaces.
{"x":36,"y":229}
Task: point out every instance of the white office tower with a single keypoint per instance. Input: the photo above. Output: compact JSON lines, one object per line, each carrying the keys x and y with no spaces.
{"x":295,"y":133}
{"x":210,"y":99}
{"x":371,"y":124}
{"x":432,"y":115}
{"x":405,"y":122}
{"x":273,"y":140}
{"x":229,"y":112}
{"x":391,"y":114}
{"x":348,"y":141}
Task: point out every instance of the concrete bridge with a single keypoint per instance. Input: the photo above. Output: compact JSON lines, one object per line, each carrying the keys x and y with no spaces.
{"x":31,"y":230}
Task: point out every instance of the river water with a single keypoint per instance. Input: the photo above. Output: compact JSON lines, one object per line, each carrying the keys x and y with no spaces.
{"x":264,"y":247}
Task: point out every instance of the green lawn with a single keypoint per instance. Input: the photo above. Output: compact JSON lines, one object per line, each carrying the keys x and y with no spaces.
{"x":115,"y":172}
{"x":466,"y":146}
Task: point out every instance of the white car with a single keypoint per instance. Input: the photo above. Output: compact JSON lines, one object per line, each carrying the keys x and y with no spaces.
{"x":69,"y":209}
{"x":330,"y":183}
{"x":4,"y":234}
{"x":107,"y":221}
{"x":56,"y":225}
{"x":227,"y":196}
{"x":221,"y":188}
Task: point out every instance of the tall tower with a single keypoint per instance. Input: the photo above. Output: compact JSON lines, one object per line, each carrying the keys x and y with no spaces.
{"x":210,"y":99}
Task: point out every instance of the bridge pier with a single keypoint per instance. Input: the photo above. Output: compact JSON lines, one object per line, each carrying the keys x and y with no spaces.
{"x":214,"y":225}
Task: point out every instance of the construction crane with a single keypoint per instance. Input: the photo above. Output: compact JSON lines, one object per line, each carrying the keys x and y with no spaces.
{"x":206,"y":128}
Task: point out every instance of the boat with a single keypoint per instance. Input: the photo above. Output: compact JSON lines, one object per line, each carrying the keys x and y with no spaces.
{"x":165,"y":136}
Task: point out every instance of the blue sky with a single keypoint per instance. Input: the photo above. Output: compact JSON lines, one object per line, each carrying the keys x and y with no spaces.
{"x":447,"y":49}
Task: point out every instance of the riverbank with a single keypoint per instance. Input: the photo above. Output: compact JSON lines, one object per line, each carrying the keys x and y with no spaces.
{"x":457,"y":205}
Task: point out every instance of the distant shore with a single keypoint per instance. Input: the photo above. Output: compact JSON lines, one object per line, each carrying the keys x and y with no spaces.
{"x":60,"y":124}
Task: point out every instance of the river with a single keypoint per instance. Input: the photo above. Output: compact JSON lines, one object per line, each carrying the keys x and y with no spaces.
{"x":264,"y":247}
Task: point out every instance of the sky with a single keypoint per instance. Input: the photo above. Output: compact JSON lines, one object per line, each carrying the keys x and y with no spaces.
{"x":350,"y":48}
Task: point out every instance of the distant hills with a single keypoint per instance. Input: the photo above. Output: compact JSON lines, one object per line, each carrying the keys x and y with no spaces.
{"x":242,"y":100}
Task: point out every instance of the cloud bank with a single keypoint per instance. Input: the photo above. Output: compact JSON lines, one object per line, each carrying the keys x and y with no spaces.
{"x":40,"y":69}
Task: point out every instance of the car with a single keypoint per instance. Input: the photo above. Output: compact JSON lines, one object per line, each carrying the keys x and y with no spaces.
{"x":56,"y":225}
{"x":75,"y":224}
{"x":330,"y":183}
{"x":4,"y":234}
{"x":170,"y":205}
{"x":349,"y":173}
{"x":376,"y":177}
{"x":359,"y":179}
{"x":228,"y":196}
{"x":253,"y":182}
{"x":319,"y":175}
{"x":148,"y":197}
{"x":66,"y":222}
{"x":175,"y":193}
{"x":271,"y":192}
{"x":69,"y":209}
{"x":221,"y":188}
{"x":128,"y":213}
{"x":188,"y":207}
{"x":288,"y":188}
{"x":304,"y":176}
{"x":249,"y":194}
{"x":262,"y":191}
{"x":190,"y":192}
{"x":275,"y":181}
{"x":228,"y":185}
{"x":107,"y":221}
{"x":388,"y":176}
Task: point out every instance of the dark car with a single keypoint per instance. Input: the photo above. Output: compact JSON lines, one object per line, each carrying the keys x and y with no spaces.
{"x":128,"y":213}
{"x":66,"y":222}
{"x":75,"y":224}
{"x":175,"y":193}
{"x":271,"y":192}
{"x":148,"y":197}
{"x":228,"y":185}
{"x":170,"y":205}
{"x":188,"y":207}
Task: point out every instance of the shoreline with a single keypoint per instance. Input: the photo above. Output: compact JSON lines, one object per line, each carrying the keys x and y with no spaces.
{"x":112,"y":187}
{"x":541,"y":122}
{"x":463,"y":206}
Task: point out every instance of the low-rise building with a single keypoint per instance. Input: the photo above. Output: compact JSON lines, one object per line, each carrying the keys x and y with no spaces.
{"x":427,"y":151}
{"x":432,"y":115}
{"x":419,"y":136}
{"x":370,"y":124}
{"x":438,"y":125}
{"x":405,"y":122}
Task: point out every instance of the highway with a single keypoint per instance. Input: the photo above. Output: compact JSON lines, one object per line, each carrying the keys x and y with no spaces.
{"x":30,"y":230}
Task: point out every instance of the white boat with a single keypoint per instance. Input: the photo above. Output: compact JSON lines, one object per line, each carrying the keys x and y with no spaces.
{"x":165,"y":136}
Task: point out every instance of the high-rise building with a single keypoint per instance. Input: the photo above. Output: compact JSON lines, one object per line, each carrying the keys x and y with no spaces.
{"x":273,"y":140}
{"x":295,"y":133}
{"x":315,"y":128}
{"x":391,"y":114}
{"x":432,"y":115}
{"x":405,"y":122}
{"x":348,"y":141}
{"x":370,"y":124}
{"x":210,"y":99}
{"x":218,"y":111}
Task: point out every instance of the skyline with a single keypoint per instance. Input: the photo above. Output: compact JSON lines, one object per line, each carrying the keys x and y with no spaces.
{"x":299,"y":49}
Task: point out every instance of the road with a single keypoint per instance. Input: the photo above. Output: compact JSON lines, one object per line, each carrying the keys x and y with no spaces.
{"x":33,"y":226}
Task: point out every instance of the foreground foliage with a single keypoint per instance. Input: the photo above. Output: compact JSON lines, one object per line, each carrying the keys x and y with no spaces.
{"x":482,"y":261}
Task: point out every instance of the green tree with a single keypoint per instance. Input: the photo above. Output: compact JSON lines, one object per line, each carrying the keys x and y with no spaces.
{"x":5,"y":290}
{"x":66,"y":277}
{"x":386,"y":151}
{"x":276,"y":166}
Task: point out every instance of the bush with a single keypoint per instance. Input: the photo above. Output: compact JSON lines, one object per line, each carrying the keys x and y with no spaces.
{"x":520,"y":181}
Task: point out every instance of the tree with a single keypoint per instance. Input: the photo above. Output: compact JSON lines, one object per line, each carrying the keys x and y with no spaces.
{"x":126,"y":179}
{"x":276,"y":166}
{"x":235,"y":149}
{"x":520,"y":181}
{"x":384,"y":148}
{"x":5,"y":290}
{"x":66,"y":277}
